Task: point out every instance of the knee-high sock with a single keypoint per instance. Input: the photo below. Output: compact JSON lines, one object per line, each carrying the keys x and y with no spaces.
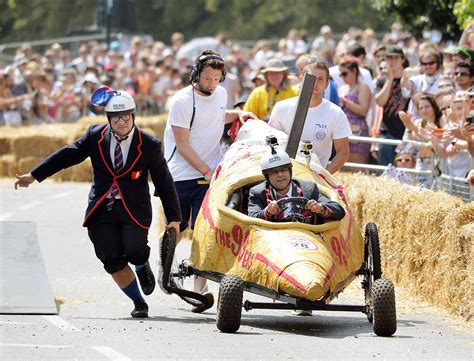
{"x":133,"y":292}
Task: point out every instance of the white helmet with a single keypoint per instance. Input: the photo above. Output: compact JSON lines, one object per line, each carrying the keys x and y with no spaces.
{"x":274,"y":161}
{"x":121,"y":103}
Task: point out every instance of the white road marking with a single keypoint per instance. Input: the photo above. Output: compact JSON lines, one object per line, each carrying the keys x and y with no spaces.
{"x":60,"y":195}
{"x":5,"y":216}
{"x":110,"y":353}
{"x":30,"y":205}
{"x":60,"y":323}
{"x":32,"y":345}
{"x":16,"y":323}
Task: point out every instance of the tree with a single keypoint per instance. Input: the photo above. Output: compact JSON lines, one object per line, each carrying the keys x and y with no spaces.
{"x":423,"y":15}
{"x":464,"y":11}
{"x":40,"y":19}
{"x":245,"y":20}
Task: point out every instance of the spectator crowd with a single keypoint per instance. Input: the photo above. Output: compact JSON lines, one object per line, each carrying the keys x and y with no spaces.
{"x":396,"y":87}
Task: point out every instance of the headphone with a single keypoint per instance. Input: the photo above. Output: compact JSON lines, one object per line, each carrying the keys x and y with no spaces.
{"x":199,"y":66}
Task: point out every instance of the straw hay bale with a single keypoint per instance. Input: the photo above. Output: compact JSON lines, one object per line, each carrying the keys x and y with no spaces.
{"x":5,"y":144}
{"x":26,"y":144}
{"x":22,"y":147}
{"x":26,"y":164}
{"x":425,"y":238}
{"x":7,"y":165}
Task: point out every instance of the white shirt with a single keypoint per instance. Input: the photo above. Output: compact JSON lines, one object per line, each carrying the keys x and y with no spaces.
{"x":204,"y":135}
{"x":323,"y":123}
{"x":125,"y":146}
{"x":425,"y":83}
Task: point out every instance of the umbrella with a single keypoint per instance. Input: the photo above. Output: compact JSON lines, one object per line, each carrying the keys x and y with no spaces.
{"x":191,"y":49}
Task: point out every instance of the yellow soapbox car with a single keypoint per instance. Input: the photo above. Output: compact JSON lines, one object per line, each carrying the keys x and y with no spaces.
{"x":302,"y":266}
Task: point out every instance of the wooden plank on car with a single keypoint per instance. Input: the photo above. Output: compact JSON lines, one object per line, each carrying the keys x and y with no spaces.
{"x":300,"y":115}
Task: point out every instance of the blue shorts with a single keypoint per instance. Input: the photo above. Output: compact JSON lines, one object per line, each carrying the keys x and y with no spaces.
{"x":191,"y":195}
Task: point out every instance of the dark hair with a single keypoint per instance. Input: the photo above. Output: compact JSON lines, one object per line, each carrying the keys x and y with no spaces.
{"x":350,"y":63}
{"x":215,"y":62}
{"x":356,"y":50}
{"x":466,"y":65}
{"x":207,"y":58}
{"x":434,"y":105}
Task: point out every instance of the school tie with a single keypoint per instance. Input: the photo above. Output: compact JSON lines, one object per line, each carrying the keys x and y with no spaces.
{"x":118,"y":165}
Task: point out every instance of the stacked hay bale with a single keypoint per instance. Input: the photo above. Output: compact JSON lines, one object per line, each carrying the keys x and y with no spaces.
{"x":425,"y":238}
{"x":21,"y":148}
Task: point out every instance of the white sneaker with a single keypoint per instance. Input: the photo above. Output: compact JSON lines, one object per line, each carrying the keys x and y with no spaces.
{"x":302,"y":313}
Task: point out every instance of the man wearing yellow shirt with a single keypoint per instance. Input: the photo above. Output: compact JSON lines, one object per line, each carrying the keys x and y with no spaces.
{"x":263,"y":98}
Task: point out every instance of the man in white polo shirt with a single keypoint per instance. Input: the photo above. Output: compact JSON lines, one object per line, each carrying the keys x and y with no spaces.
{"x":325,"y":122}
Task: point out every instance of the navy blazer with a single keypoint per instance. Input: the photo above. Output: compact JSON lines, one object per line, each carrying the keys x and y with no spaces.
{"x":144,"y":157}
{"x":258,"y":201}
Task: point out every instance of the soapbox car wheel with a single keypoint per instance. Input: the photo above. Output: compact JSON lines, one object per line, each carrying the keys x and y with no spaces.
{"x":383,"y":307}
{"x":293,"y":209}
{"x":372,"y":265}
{"x":229,"y":304}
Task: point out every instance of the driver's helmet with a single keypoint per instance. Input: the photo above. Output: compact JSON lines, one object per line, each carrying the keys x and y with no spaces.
{"x":121,"y":103}
{"x":274,"y":161}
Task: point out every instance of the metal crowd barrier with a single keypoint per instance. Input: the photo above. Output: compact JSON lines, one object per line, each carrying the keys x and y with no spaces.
{"x":453,"y":185}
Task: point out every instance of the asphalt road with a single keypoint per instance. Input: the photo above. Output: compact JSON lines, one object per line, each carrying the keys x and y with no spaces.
{"x":94,"y":321}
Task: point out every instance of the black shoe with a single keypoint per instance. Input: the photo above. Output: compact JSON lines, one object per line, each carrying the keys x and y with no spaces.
{"x":140,"y":310}
{"x":146,"y":278}
{"x":207,"y":305}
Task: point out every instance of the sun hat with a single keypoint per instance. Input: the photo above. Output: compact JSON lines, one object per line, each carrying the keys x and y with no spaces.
{"x":274,"y":64}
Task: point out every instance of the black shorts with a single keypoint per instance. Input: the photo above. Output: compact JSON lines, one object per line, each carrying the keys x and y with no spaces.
{"x":191,"y":194}
{"x":117,"y":239}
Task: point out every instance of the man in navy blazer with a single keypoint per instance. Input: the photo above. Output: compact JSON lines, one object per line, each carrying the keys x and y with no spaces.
{"x":264,"y":197}
{"x":119,"y":211}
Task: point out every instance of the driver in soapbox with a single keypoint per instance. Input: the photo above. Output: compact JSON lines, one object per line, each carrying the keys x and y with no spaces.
{"x":283,"y":199}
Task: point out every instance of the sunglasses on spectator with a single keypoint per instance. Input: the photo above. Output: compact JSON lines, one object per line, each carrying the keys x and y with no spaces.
{"x":344,"y":74}
{"x":404,"y":160}
{"x":460,"y":73}
{"x":427,"y":63}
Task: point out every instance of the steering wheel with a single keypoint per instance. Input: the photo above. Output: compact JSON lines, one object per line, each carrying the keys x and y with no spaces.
{"x":292,"y":210}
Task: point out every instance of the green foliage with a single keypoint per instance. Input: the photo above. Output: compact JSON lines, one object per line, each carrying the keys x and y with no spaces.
{"x":421,"y":15}
{"x":238,"y":19}
{"x":39,"y":19}
{"x":464,"y":11}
